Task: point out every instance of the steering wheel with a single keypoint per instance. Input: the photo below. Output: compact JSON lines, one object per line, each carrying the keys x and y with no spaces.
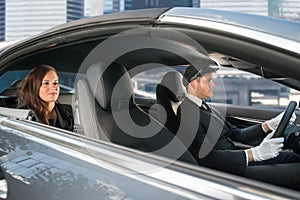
{"x":285,"y":119}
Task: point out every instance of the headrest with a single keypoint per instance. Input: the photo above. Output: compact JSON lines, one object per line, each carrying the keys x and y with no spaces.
{"x":110,"y":85}
{"x":172,"y":81}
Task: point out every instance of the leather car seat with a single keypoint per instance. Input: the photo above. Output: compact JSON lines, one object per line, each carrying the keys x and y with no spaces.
{"x":108,"y":109}
{"x":9,"y":95}
{"x":169,"y":94}
{"x":85,"y":111}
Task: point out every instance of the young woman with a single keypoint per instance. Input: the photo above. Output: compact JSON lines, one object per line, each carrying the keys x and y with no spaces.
{"x":39,"y":92}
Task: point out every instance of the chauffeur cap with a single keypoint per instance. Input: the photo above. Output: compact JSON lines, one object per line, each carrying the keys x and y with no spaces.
{"x":192,"y":72}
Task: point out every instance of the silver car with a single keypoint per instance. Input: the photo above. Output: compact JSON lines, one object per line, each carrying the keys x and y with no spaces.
{"x":119,"y":149}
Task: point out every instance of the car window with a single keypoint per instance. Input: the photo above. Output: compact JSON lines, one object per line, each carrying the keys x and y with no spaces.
{"x":145,"y":83}
{"x":9,"y":79}
{"x":238,"y":87}
{"x":233,"y":86}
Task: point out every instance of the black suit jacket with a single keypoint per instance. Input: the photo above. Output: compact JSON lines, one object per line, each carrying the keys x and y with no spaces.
{"x":209,"y":137}
{"x":64,"y":119}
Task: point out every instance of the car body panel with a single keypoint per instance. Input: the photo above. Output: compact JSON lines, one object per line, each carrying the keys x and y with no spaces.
{"x":47,"y":165}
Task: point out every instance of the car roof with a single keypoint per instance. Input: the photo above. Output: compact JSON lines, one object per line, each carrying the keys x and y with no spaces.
{"x":279,"y":27}
{"x":275,"y":26}
{"x":142,"y":14}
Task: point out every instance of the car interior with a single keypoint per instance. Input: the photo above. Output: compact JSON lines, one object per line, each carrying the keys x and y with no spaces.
{"x":111,"y":98}
{"x":68,"y":57}
{"x":104,"y":96}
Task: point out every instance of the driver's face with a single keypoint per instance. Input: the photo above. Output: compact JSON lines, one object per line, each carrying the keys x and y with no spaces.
{"x":204,"y":86}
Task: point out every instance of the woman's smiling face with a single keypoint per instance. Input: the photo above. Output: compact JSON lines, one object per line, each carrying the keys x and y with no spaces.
{"x":49,"y":89}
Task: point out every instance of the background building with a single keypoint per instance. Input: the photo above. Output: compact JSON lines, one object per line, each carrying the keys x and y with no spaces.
{"x":259,"y":7}
{"x":100,"y":7}
{"x":284,"y":9}
{"x":75,"y":10}
{"x":24,"y":18}
{"x":2,"y":20}
{"x":111,"y":6}
{"x":140,"y":4}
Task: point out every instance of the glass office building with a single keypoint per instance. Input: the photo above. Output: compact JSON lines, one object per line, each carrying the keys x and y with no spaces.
{"x":111,"y":6}
{"x":75,"y":9}
{"x":140,"y":4}
{"x":24,"y":18}
{"x":2,"y":20}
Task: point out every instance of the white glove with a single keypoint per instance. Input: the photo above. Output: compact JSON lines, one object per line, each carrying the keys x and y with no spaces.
{"x":268,"y":148}
{"x":274,"y":122}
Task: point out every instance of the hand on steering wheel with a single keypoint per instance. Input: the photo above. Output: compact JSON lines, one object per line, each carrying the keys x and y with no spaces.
{"x":285,"y":119}
{"x":274,"y":122}
{"x":268,"y":148}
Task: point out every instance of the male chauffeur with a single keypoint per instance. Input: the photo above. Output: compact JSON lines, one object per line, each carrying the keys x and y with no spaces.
{"x":212,"y":144}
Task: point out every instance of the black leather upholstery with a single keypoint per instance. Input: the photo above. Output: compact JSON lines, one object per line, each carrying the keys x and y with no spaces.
{"x":9,"y":95}
{"x":169,"y":94}
{"x":122,"y":120}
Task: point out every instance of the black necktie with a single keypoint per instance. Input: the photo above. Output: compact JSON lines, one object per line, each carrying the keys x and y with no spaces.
{"x":213,"y":112}
{"x":205,"y":106}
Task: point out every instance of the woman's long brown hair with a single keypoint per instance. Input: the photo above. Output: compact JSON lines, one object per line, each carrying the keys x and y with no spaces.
{"x":29,"y":92}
